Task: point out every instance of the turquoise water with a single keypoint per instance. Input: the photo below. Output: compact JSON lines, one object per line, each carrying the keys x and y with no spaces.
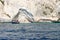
{"x":30,"y":31}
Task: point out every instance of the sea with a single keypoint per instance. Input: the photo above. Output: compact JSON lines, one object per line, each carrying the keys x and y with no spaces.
{"x":30,"y":31}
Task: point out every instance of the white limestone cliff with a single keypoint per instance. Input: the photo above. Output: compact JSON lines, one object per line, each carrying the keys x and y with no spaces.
{"x":40,"y":9}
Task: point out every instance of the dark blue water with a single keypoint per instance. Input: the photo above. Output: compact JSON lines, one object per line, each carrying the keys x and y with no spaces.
{"x":30,"y":31}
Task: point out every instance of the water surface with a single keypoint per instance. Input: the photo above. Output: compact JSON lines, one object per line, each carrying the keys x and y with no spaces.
{"x":30,"y":31}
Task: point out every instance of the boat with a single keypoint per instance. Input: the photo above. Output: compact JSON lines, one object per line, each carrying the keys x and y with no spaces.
{"x":15,"y":22}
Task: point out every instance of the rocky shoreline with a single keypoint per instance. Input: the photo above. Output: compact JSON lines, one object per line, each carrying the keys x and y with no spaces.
{"x":46,"y":9}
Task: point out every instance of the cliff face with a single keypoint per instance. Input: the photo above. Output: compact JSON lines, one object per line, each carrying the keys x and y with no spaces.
{"x":40,"y":9}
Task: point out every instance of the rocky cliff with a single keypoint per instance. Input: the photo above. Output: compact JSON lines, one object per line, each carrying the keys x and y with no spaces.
{"x":40,"y":9}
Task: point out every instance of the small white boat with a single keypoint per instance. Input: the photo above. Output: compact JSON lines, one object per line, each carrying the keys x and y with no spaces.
{"x":15,"y":22}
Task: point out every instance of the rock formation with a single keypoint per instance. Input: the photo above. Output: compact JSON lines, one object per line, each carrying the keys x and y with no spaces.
{"x":40,"y":9}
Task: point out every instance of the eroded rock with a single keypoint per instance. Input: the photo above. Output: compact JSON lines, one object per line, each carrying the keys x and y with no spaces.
{"x":40,"y":9}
